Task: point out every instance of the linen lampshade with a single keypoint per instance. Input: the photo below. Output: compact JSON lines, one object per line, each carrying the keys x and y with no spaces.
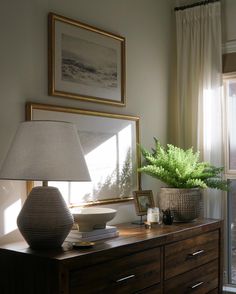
{"x":45,"y":151}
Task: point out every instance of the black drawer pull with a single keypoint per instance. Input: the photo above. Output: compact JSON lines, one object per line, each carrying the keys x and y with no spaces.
{"x":196,"y":285}
{"x":196,"y":253}
{"x":125,"y":278}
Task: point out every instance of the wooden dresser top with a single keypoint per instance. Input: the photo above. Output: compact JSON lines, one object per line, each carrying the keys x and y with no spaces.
{"x":132,"y":238}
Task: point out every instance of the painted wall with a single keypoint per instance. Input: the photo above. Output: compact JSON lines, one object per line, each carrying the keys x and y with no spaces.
{"x":146,"y":24}
{"x":228,"y":20}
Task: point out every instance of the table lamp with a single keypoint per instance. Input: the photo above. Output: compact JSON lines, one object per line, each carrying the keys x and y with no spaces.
{"x":45,"y":151}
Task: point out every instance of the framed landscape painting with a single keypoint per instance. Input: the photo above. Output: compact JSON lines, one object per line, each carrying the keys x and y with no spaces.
{"x":85,"y":62}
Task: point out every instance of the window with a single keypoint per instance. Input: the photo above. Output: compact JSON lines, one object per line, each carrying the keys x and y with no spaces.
{"x":230,"y":168}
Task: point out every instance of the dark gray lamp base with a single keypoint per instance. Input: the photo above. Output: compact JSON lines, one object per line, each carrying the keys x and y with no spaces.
{"x":45,"y":220}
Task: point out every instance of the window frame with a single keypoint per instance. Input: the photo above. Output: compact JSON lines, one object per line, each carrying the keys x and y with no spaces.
{"x":230,"y":174}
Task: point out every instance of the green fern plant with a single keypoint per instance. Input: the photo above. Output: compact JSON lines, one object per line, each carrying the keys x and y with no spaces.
{"x":180,"y":168}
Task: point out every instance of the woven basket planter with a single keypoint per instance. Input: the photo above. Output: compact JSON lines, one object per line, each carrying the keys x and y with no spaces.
{"x":185,"y":204}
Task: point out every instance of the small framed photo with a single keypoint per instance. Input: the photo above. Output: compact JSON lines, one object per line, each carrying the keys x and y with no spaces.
{"x":85,"y":62}
{"x":143,"y":200}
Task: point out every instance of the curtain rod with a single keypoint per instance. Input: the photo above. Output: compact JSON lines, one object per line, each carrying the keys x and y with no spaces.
{"x":195,"y":4}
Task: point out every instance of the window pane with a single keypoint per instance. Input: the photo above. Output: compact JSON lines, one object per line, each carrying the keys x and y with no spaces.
{"x":231,"y":96}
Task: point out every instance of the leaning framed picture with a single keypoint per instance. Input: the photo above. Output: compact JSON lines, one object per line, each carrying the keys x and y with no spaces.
{"x":109,"y":142}
{"x":85,"y":62}
{"x":143,"y":200}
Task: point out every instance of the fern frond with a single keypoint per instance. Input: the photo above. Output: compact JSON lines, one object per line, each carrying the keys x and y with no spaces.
{"x":180,"y":168}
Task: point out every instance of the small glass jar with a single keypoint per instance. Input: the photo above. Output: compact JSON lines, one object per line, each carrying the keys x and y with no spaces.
{"x":153,"y":215}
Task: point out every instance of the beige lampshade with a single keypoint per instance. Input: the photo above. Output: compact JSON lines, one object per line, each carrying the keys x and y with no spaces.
{"x":45,"y":151}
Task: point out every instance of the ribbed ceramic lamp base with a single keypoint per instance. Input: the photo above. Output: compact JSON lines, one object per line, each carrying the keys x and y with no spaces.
{"x":45,"y":220}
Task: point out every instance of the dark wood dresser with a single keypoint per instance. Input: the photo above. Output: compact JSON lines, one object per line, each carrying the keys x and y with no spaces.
{"x":181,"y":258}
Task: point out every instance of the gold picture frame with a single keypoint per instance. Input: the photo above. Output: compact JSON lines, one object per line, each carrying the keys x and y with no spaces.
{"x":143,"y":200}
{"x":85,"y":62}
{"x":110,"y":143}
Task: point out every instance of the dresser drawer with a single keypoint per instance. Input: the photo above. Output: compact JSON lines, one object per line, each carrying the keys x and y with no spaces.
{"x":156,"y":289}
{"x":185,"y":255}
{"x":124,"y":275}
{"x":215,"y":291}
{"x":200,"y":280}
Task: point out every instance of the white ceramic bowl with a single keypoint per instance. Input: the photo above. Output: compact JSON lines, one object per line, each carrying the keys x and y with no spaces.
{"x":92,"y":218}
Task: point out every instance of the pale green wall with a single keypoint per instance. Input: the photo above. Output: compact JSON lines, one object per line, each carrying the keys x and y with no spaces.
{"x":228,"y":20}
{"x":146,"y":24}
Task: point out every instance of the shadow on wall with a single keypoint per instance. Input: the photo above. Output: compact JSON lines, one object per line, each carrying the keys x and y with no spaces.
{"x":13,"y":236}
{"x":12,"y":194}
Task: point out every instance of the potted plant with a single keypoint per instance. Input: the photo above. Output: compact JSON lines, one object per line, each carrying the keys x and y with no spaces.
{"x":185,"y":177}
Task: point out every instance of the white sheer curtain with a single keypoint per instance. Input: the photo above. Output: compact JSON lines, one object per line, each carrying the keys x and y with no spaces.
{"x":198,"y":93}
